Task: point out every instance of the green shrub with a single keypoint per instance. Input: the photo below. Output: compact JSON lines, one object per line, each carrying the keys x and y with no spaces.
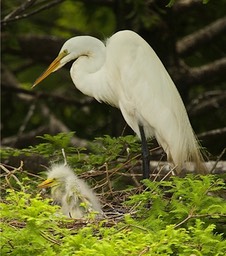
{"x":178,"y":216}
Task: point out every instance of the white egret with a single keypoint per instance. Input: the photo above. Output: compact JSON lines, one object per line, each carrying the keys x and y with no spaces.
{"x":71,"y":193}
{"x":125,"y":72}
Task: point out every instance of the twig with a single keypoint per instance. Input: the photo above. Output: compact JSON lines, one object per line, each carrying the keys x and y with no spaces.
{"x":64,"y":156}
{"x":50,"y":239}
{"x":11,"y":173}
{"x":183,"y":221}
{"x":26,"y":120}
{"x":170,"y":172}
{"x":218,"y":159}
{"x":160,"y":170}
{"x":19,"y":10}
{"x":144,"y":251}
{"x":107,"y":177}
{"x":7,"y":19}
{"x":190,"y":216}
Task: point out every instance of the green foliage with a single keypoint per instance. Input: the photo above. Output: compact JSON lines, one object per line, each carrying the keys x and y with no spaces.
{"x":102,"y":154}
{"x":180,"y":201}
{"x":160,"y":225}
{"x":27,"y":223}
{"x":101,"y":150}
{"x":106,"y":149}
{"x":54,"y":144}
{"x":179,"y":216}
{"x":86,"y":19}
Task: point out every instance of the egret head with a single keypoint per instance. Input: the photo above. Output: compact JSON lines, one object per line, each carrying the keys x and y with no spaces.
{"x":56,"y":177}
{"x":72,"y":49}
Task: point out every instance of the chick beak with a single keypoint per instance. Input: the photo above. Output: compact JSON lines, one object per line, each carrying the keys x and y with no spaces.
{"x":52,"y":67}
{"x":45,"y":184}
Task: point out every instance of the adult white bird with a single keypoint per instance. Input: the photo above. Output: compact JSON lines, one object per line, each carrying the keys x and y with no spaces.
{"x":125,"y":72}
{"x":71,"y":193}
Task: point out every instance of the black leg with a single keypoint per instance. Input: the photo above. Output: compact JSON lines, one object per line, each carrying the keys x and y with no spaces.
{"x":145,"y":154}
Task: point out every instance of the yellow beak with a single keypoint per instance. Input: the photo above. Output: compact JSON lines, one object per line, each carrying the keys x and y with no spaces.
{"x":47,"y":183}
{"x":52,"y":67}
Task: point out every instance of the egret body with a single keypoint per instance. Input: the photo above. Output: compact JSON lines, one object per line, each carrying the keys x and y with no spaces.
{"x":71,"y":193}
{"x":126,"y":73}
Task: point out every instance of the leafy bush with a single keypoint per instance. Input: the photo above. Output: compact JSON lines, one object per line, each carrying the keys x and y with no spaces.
{"x":178,"y":216}
{"x":170,"y":226}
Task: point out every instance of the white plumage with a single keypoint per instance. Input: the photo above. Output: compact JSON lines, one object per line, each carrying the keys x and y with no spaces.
{"x":71,"y":193}
{"x":126,"y":73}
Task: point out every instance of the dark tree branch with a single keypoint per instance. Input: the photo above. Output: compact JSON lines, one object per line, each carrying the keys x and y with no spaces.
{"x":55,"y":125}
{"x":19,"y":10}
{"x":202,"y":36}
{"x":7,"y":77}
{"x":25,"y":138}
{"x":207,"y":101}
{"x":184,"y":5}
{"x":43,"y":95}
{"x":13,"y":16}
{"x":192,"y":76}
{"x":207,"y":71}
{"x":212,"y":133}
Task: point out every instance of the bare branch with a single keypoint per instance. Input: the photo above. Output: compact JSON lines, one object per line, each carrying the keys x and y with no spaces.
{"x":18,"y":13}
{"x":184,"y":5}
{"x":207,"y":101}
{"x":212,"y":133}
{"x":19,"y":10}
{"x":207,"y":71}
{"x":55,"y":125}
{"x":204,"y":35}
{"x":43,"y":95}
{"x":202,"y":74}
{"x":25,"y":138}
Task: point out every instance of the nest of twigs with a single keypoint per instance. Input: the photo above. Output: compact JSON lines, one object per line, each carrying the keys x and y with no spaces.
{"x":113,"y":186}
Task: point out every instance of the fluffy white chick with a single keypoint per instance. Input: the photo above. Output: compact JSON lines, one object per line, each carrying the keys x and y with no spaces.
{"x":71,"y":193}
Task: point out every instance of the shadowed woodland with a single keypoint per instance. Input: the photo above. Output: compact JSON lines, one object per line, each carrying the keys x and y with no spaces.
{"x":189,"y":36}
{"x":191,"y":48}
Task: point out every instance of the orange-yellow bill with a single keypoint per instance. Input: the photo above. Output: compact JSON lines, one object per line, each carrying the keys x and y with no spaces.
{"x":47,"y":183}
{"x":52,"y":67}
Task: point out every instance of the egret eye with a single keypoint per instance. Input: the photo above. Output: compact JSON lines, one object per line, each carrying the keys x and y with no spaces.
{"x":63,"y":53}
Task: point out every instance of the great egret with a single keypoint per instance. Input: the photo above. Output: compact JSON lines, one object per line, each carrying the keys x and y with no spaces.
{"x":75,"y":197}
{"x":126,"y":73}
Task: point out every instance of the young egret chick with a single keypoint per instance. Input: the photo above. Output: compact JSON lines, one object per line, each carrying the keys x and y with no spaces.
{"x":73,"y":194}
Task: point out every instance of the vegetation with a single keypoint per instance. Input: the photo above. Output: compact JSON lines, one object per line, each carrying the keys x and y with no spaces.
{"x":174,"y":216}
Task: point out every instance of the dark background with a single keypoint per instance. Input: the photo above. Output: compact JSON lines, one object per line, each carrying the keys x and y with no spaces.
{"x":189,"y":38}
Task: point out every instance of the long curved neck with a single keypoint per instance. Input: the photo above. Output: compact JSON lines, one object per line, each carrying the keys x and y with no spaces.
{"x":89,"y":62}
{"x":89,"y":73}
